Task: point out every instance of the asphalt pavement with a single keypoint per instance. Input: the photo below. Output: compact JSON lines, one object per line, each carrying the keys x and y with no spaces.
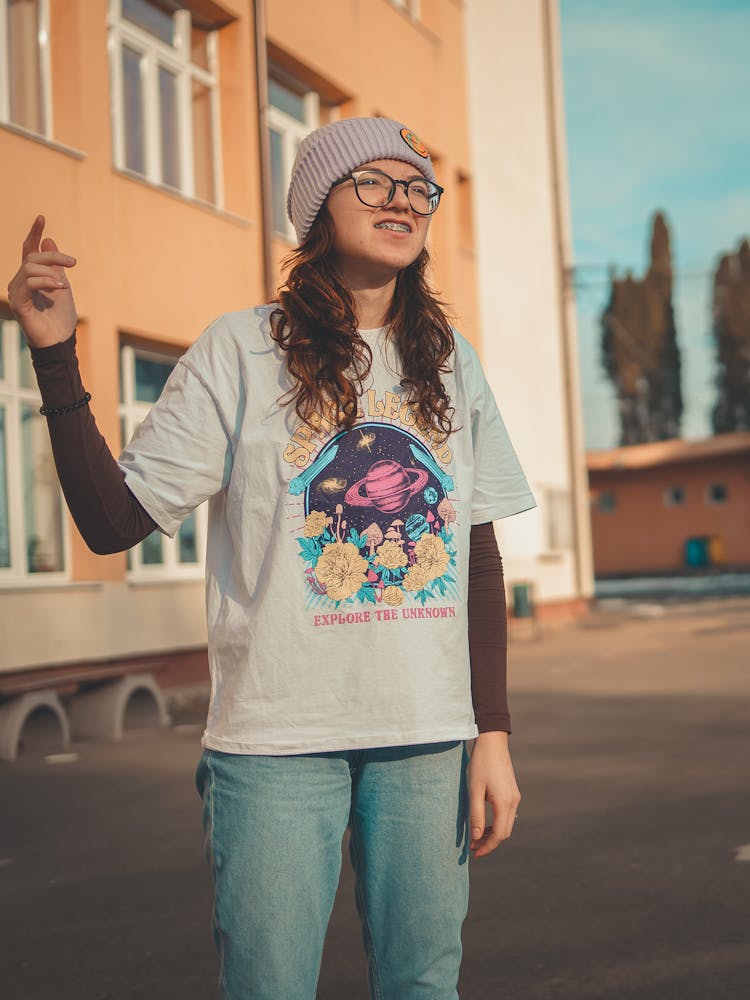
{"x":627,"y":875}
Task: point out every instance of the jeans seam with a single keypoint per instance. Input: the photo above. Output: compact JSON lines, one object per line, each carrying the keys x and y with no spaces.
{"x":212,"y":866}
{"x":372,"y":961}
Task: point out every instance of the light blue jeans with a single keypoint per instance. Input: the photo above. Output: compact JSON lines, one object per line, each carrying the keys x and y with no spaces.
{"x":273,"y":828}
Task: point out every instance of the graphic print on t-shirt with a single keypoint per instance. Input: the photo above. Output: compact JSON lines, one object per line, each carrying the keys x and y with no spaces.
{"x":377,"y":520}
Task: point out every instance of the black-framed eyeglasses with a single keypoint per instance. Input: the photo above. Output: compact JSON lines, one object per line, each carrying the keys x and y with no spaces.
{"x":376,"y":189}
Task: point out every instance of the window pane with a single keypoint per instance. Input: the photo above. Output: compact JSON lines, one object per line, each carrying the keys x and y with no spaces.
{"x":150,"y":377}
{"x":278,"y":185}
{"x":132,"y":91}
{"x":42,"y":504}
{"x":4,"y":525}
{"x":199,"y":47}
{"x":203,"y":154}
{"x":25,"y":368}
{"x":674,"y":496}
{"x":151,"y":550}
{"x":558,"y":520}
{"x":170,"y":147}
{"x":24,"y":65}
{"x":286,"y":100}
{"x":186,"y":538}
{"x":149,"y":17}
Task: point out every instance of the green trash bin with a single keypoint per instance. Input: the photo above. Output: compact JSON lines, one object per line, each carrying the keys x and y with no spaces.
{"x":697,"y":552}
{"x":523,"y":600}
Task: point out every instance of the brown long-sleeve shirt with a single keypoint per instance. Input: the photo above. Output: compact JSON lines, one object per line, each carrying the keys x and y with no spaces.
{"x":111,"y":519}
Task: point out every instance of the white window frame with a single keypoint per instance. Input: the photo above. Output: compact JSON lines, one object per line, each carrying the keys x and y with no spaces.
{"x":176,"y":58}
{"x":557,"y":508}
{"x":292,"y":132}
{"x":131,"y":412}
{"x":12,"y":395}
{"x":410,"y":7}
{"x":44,"y":64}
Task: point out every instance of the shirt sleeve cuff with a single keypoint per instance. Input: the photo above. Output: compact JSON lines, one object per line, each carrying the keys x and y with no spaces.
{"x":64,"y":351}
{"x":494,"y":723}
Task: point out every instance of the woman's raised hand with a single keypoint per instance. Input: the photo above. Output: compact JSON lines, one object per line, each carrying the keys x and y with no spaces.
{"x":39,"y":293}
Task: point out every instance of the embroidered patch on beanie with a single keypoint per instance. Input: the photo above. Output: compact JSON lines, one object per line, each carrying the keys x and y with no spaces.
{"x":413,"y":141}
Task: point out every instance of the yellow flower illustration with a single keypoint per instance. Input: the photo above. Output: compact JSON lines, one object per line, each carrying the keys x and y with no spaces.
{"x":390,"y":555}
{"x":393,"y":596}
{"x":341,"y":569}
{"x":315,"y":524}
{"x":432,"y":556}
{"x":416,"y":578}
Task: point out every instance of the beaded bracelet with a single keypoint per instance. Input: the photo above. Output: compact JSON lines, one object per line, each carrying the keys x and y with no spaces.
{"x":55,"y":411}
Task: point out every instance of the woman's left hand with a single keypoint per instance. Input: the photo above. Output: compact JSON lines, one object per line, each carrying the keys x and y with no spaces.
{"x":491,"y":779}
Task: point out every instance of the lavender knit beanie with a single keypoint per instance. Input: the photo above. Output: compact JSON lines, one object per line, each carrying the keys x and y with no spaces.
{"x":330,"y":152}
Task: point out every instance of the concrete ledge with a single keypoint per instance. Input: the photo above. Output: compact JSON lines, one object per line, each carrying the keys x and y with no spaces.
{"x":33,"y":722}
{"x":132,"y":702}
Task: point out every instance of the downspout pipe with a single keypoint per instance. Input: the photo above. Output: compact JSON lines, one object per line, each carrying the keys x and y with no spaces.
{"x":264,"y":147}
{"x":580,"y":523}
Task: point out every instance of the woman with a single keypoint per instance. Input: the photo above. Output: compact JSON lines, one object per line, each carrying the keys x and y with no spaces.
{"x":353,"y":458}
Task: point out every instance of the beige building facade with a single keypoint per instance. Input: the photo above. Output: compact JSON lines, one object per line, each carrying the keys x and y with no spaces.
{"x":526,"y":311}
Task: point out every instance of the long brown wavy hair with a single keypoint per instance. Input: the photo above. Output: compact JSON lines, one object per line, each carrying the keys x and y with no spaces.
{"x":316,"y":324}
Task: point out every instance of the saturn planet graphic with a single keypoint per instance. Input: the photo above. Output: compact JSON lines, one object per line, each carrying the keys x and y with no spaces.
{"x":387,"y":487}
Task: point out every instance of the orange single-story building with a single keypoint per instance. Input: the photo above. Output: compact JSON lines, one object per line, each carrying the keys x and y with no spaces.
{"x":671,"y":506}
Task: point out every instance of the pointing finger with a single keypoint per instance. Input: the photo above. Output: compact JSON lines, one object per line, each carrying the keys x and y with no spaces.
{"x":31,"y":243}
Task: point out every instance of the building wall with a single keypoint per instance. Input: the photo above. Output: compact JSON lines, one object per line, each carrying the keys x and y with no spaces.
{"x":527,"y":324}
{"x":140,"y":249}
{"x":156,"y":267}
{"x":643,"y":534}
{"x":372,"y":58}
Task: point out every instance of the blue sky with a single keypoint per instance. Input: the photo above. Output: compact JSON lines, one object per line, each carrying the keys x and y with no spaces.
{"x":656,"y":107}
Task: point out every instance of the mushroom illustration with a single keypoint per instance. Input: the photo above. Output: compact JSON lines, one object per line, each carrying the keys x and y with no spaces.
{"x":374,"y":536}
{"x":339,"y":512}
{"x":393,"y":533}
{"x":446,"y":510}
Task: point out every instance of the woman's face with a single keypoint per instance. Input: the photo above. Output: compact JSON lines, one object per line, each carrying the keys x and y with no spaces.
{"x":368,"y":250}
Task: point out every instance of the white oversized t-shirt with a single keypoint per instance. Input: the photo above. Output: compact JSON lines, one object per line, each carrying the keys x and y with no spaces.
{"x":337,"y":561}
